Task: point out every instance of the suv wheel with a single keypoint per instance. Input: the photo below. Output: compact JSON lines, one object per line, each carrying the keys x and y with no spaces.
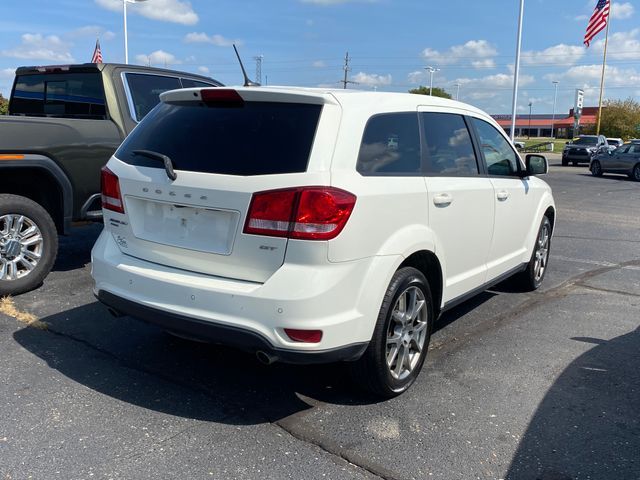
{"x":596,"y":169}
{"x":401,"y":336}
{"x":532,"y":277}
{"x":635,"y":173}
{"x":28,"y":244}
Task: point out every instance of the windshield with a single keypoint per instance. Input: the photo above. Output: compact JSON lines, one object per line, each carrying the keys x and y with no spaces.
{"x":586,"y":141}
{"x":260,"y":138}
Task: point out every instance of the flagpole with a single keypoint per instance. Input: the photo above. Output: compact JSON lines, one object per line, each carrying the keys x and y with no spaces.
{"x":516,"y":73}
{"x":604,"y":62}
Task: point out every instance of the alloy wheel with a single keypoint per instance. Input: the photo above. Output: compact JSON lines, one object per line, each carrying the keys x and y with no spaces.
{"x":21,"y":246}
{"x":542,"y":253}
{"x":407,"y":333}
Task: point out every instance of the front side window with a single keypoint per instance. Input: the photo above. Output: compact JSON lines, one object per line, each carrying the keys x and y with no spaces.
{"x":499,"y":157}
{"x":390,"y":145}
{"x":448,"y":145}
{"x":145,"y":91}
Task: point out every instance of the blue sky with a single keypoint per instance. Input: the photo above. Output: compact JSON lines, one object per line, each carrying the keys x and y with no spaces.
{"x":304,"y":43}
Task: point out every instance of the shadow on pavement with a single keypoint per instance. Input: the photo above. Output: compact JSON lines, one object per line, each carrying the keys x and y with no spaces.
{"x":588,"y":425}
{"x":142,"y":365}
{"x":74,"y":250}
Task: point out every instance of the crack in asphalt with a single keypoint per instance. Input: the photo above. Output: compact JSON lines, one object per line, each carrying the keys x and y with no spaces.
{"x":288,"y":424}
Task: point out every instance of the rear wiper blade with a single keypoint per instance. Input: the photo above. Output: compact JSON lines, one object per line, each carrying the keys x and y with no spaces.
{"x":168,"y":164}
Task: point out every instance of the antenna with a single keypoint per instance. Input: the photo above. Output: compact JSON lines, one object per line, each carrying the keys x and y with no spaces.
{"x":247,"y":82}
{"x":346,"y":69}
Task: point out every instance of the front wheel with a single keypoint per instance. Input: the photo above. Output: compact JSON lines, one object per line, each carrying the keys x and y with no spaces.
{"x":531,"y":278}
{"x":28,"y":244}
{"x":635,"y":173}
{"x":596,"y":168}
{"x":401,"y":336}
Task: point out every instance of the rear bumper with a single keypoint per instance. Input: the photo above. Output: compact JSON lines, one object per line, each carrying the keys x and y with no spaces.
{"x":225,"y":334}
{"x":341,"y":299}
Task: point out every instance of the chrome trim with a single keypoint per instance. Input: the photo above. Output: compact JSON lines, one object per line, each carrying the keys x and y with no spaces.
{"x":85,"y":212}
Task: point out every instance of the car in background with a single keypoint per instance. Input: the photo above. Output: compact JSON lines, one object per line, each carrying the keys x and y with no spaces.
{"x":614,"y":143}
{"x":623,"y":160}
{"x":310,"y":226}
{"x":584,"y":149}
{"x":519,"y":144}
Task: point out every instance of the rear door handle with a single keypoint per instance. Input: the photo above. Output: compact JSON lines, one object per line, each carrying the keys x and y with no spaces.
{"x":442,"y":199}
{"x":502,"y":195}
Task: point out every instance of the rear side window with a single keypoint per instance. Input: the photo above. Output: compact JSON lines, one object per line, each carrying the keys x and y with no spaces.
{"x":390,"y":145}
{"x":145,"y":91}
{"x":64,"y":95}
{"x":500,"y":158}
{"x":260,"y":138}
{"x":448,"y":145}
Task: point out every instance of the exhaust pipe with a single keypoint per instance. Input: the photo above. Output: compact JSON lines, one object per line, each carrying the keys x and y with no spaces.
{"x":266,"y":358}
{"x":114,"y":312}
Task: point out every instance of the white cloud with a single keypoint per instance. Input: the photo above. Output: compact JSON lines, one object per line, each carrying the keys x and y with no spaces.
{"x":499,"y":80}
{"x":217,"y":40}
{"x":159,"y":58}
{"x":204,"y":70}
{"x":38,"y":47}
{"x":486,"y":63}
{"x":417,"y":77}
{"x":557,"y":54}
{"x":318,"y":64}
{"x":622,"y":45}
{"x":94,"y":31}
{"x":7,"y":73}
{"x":336,"y":2}
{"x":581,"y":18}
{"x":372,"y":79}
{"x":621,"y":11}
{"x":175,"y":11}
{"x":473,"y":49}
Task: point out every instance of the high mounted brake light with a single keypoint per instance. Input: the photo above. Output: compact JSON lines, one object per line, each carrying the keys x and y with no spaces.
{"x":303,"y":213}
{"x":221,"y":97}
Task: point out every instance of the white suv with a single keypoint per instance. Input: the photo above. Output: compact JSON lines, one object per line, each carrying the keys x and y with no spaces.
{"x":316,"y":226}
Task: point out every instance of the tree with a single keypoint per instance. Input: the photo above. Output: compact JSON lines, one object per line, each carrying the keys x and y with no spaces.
{"x":620,"y":118}
{"x":4,"y":105}
{"x":437,"y":91}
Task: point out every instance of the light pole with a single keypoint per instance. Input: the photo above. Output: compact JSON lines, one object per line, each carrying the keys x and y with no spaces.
{"x":124,"y":13}
{"x":516,"y":73}
{"x":529,"y":131}
{"x":431,"y":70}
{"x":555,"y":97}
{"x":457,"y":85}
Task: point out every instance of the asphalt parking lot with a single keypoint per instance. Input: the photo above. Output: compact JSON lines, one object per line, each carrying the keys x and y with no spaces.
{"x":542,"y":385}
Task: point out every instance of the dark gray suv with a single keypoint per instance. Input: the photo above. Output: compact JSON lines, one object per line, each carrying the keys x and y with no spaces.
{"x":584,"y":149}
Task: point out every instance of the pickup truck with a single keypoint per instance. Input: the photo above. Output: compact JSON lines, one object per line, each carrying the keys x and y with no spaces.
{"x":64,"y":123}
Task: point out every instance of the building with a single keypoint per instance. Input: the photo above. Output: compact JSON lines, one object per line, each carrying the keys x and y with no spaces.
{"x":540,"y":125}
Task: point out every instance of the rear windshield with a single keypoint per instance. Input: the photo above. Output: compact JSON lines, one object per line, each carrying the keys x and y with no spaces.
{"x":61,"y":95}
{"x":259,"y":138}
{"x":586,"y":141}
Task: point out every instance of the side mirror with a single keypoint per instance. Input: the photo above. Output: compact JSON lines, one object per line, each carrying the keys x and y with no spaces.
{"x":537,"y":164}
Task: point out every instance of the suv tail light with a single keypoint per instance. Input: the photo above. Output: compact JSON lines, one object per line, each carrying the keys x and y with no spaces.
{"x":304,"y":213}
{"x":111,"y":197}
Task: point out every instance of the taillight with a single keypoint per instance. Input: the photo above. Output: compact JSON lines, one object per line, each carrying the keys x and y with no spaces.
{"x":111,"y":197}
{"x":304,"y":336}
{"x":305,"y":213}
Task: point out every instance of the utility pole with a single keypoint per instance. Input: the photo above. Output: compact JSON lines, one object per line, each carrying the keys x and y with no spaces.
{"x":258,"y":60}
{"x":457,"y":85}
{"x":555,"y":97}
{"x":346,"y":69}
{"x":431,"y":71}
{"x":529,"y":133}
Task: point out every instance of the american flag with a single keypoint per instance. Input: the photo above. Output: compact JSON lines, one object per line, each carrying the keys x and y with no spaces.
{"x":97,"y":54}
{"x":597,"y":21}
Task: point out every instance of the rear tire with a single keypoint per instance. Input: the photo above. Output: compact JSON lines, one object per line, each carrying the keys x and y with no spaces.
{"x":635,"y":173}
{"x":565,"y":162}
{"x":596,"y":168}
{"x":28,"y":244}
{"x":401,"y":336}
{"x":531,"y":278}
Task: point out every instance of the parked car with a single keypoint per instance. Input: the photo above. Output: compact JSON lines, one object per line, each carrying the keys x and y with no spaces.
{"x":624,"y":160}
{"x":614,"y":143}
{"x":583,"y":149}
{"x":518,"y":144}
{"x":64,"y":123}
{"x":312,"y":226}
